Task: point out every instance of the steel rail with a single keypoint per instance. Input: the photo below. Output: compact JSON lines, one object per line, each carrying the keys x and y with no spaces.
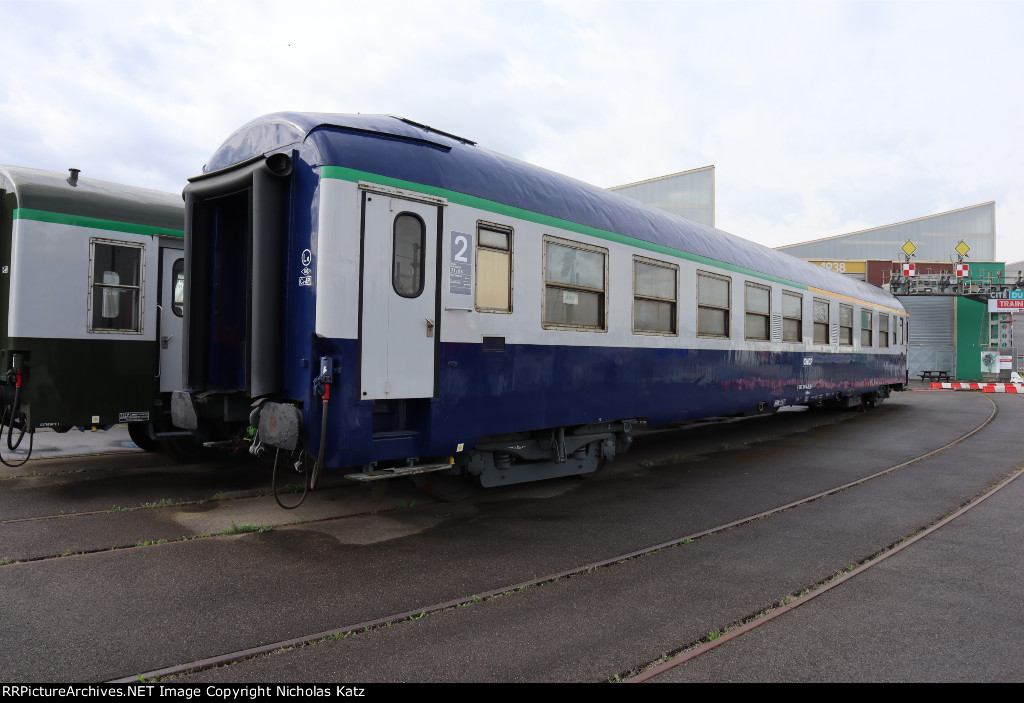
{"x":417,"y":613}
{"x":656,"y":670}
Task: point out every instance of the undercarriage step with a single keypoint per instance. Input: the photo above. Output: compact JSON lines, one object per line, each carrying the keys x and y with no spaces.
{"x":396,"y":472}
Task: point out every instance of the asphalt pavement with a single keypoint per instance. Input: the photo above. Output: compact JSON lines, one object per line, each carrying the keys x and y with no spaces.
{"x":946,"y":608}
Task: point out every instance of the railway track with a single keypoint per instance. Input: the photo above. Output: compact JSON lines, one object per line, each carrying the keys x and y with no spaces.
{"x":71,"y":491}
{"x":419,"y":616}
{"x":653,"y":670}
{"x":402,"y":574}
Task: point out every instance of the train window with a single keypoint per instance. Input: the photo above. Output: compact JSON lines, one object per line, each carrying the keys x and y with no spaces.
{"x":821,"y":321}
{"x":654,"y":296}
{"x":793,"y":317}
{"x":757,"y":309}
{"x":494,"y":268}
{"x":866,"y":319}
{"x":115,"y":286}
{"x":883,"y":330}
{"x":178,"y":277}
{"x":575,"y":278}
{"x":407,"y":259}
{"x":713,"y":304}
{"x":846,"y":325}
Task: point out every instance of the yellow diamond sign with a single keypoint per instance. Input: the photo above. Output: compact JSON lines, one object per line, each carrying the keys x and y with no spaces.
{"x":962,"y":248}
{"x":908,"y":248}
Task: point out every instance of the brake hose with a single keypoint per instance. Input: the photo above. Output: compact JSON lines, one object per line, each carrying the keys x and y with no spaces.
{"x":315,"y":476}
{"x":321,"y":387}
{"x":11,"y":419}
{"x":12,"y":445}
{"x":273,"y":482}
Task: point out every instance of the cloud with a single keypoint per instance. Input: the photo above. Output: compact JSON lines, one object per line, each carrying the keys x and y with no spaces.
{"x":821,"y":118}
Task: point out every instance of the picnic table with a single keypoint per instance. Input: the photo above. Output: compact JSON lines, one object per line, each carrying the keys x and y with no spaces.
{"x":934,"y":375}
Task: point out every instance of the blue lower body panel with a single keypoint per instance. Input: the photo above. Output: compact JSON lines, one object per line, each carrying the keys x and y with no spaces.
{"x":531,"y":387}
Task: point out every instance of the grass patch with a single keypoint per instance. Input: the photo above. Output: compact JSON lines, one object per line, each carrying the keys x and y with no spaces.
{"x":242,"y":529}
{"x":163,"y":503}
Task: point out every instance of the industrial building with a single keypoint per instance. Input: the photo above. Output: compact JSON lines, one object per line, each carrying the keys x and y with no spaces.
{"x":952,"y":327}
{"x":689,"y":194}
{"x":958,"y":323}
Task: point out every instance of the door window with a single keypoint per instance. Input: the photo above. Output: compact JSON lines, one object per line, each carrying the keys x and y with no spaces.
{"x":407,"y":265}
{"x":178,"y":281}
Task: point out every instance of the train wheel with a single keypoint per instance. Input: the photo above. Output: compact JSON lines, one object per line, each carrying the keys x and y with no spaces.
{"x":446,"y":489}
{"x":139,"y":433}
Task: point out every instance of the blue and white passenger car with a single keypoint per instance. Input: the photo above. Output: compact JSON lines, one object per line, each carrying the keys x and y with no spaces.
{"x":401,"y":298}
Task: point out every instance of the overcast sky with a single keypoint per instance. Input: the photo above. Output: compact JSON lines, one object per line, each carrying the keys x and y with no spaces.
{"x":821,"y":117}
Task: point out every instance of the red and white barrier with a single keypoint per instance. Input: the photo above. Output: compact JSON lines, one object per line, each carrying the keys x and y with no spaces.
{"x":983,"y":387}
{"x":1004,"y":388}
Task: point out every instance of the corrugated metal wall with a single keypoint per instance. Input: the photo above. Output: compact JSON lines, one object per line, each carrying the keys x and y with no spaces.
{"x":935,"y":237}
{"x":932,"y":343}
{"x":1017,"y":336}
{"x":690,"y":194}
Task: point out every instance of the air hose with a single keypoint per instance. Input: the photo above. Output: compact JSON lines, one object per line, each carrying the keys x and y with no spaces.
{"x":315,"y":477}
{"x":273,"y":481}
{"x":11,"y":444}
{"x":9,"y":416}
{"x":322,"y":388}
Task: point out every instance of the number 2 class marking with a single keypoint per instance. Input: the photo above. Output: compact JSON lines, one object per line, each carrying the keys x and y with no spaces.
{"x":460,"y":255}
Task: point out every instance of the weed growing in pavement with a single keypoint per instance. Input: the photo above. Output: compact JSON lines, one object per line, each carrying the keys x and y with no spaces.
{"x":712,"y":636}
{"x":403,"y":504}
{"x":163,"y":503}
{"x":242,"y":529}
{"x":687,"y":541}
{"x":646,"y":463}
{"x":119,"y":509}
{"x":5,"y":561}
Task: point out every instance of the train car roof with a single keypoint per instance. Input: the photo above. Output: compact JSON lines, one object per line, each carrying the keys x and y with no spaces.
{"x":407,"y":151}
{"x":50,"y":192}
